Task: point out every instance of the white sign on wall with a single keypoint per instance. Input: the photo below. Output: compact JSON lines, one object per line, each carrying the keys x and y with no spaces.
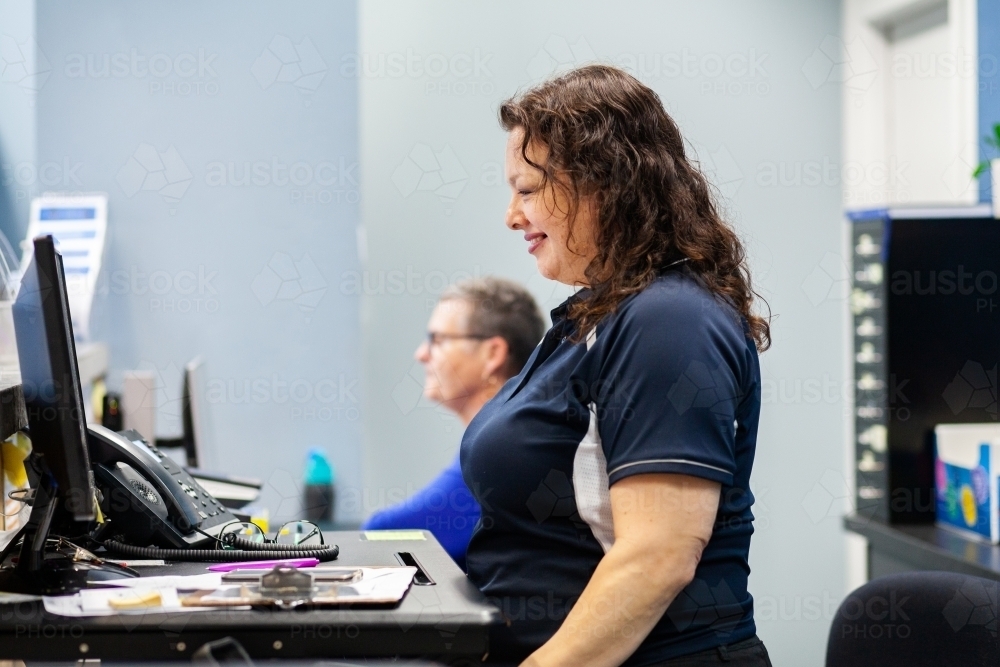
{"x":78,"y":223}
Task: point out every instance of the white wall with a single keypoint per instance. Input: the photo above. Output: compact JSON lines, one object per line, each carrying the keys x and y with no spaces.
{"x":23,"y":74}
{"x":432,"y":76}
{"x":193,"y":262}
{"x":910,"y":75}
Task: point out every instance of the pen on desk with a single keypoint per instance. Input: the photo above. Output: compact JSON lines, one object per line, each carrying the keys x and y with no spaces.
{"x":261,"y":564}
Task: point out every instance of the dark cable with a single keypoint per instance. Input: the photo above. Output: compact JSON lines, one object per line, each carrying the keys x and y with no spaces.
{"x":247,"y":545}
{"x":323,"y":553}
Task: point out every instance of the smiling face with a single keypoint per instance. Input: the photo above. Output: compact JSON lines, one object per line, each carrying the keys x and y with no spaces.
{"x":563,"y":247}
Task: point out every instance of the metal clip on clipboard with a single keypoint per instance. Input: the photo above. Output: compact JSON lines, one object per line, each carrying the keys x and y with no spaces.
{"x":319,"y":575}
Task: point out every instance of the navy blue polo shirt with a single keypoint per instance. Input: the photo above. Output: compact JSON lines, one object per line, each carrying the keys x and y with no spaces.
{"x":669,"y":383}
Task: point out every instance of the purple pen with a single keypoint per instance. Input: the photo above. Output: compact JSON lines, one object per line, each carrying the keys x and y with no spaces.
{"x":263,"y":564}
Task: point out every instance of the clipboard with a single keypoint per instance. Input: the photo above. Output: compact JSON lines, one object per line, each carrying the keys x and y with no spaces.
{"x":286,"y":588}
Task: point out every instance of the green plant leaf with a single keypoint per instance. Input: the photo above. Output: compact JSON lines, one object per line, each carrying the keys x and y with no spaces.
{"x":981,"y":169}
{"x":996,"y":135}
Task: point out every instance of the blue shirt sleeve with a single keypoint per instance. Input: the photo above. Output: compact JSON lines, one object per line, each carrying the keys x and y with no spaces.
{"x":673,"y":369}
{"x":445,"y":507}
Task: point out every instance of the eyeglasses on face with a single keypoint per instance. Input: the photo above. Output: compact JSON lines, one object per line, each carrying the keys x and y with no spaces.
{"x":437,"y":337}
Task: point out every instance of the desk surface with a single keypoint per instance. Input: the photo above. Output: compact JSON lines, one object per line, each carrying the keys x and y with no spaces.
{"x":928,"y":547}
{"x":448,"y":621}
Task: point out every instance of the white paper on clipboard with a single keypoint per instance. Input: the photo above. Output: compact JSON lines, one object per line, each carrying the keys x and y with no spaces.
{"x":79,"y":225}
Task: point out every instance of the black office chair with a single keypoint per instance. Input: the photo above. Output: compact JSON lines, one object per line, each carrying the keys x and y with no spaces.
{"x":938,"y":619}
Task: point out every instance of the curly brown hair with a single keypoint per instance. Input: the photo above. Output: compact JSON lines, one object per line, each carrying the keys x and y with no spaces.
{"x":607,"y":136}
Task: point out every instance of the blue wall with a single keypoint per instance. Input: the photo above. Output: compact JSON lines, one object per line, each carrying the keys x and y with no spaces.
{"x":19,"y":178}
{"x":228,"y":146}
{"x":989,"y":82}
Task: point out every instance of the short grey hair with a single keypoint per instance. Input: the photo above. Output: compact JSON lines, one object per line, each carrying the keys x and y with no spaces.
{"x":502,"y":308}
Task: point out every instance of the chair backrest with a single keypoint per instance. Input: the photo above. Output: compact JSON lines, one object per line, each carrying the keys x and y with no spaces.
{"x":942,"y":619}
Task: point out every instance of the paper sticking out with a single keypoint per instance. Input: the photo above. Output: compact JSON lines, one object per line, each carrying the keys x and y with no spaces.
{"x":183,"y":582}
{"x":78,"y":223}
{"x":114,"y":601}
{"x":393,"y":535}
{"x":140,"y":595}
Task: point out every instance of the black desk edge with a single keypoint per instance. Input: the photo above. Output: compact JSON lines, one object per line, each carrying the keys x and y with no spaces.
{"x":929,"y":547}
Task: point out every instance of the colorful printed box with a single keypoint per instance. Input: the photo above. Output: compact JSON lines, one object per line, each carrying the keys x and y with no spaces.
{"x":967,"y":473}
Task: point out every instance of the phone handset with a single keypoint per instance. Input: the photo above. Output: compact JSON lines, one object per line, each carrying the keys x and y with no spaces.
{"x":123,"y":461}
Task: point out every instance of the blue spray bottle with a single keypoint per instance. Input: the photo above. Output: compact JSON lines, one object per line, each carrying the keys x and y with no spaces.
{"x":318,"y":497}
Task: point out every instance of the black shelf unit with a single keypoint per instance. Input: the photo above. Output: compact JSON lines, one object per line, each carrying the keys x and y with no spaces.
{"x":925,"y":301}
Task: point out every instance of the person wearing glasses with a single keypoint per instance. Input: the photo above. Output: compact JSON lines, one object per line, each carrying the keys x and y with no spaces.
{"x":480,"y":334}
{"x":616,"y":466}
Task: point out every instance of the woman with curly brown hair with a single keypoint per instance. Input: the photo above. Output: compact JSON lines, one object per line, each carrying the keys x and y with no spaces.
{"x":613,"y":471}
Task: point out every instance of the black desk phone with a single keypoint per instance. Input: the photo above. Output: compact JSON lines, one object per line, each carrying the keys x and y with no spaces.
{"x":148,"y":497}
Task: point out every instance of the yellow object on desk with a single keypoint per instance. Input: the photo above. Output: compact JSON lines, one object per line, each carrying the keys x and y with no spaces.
{"x":13,"y":451}
{"x":262,"y":519}
{"x":136,"y":599}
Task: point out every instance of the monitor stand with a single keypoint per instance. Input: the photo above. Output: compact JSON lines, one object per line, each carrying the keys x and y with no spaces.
{"x":39,"y":571}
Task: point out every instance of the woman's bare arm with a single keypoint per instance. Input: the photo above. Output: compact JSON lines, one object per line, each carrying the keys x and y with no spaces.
{"x":662,"y":523}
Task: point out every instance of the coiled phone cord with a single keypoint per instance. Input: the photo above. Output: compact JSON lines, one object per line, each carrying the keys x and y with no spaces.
{"x":268,"y":552}
{"x":249,"y":545}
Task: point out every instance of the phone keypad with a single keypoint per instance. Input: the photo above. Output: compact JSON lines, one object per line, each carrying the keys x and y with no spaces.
{"x":205,"y":505}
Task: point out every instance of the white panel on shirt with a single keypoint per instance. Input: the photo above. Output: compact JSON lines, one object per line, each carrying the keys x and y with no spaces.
{"x":590,"y":479}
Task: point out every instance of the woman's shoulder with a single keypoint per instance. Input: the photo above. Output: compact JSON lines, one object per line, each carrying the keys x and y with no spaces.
{"x":676,"y":319}
{"x":678,"y":297}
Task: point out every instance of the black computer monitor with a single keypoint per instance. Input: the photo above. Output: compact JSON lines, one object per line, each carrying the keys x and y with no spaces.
{"x":59,"y":465}
{"x":51,"y":380}
{"x":195,"y":414}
